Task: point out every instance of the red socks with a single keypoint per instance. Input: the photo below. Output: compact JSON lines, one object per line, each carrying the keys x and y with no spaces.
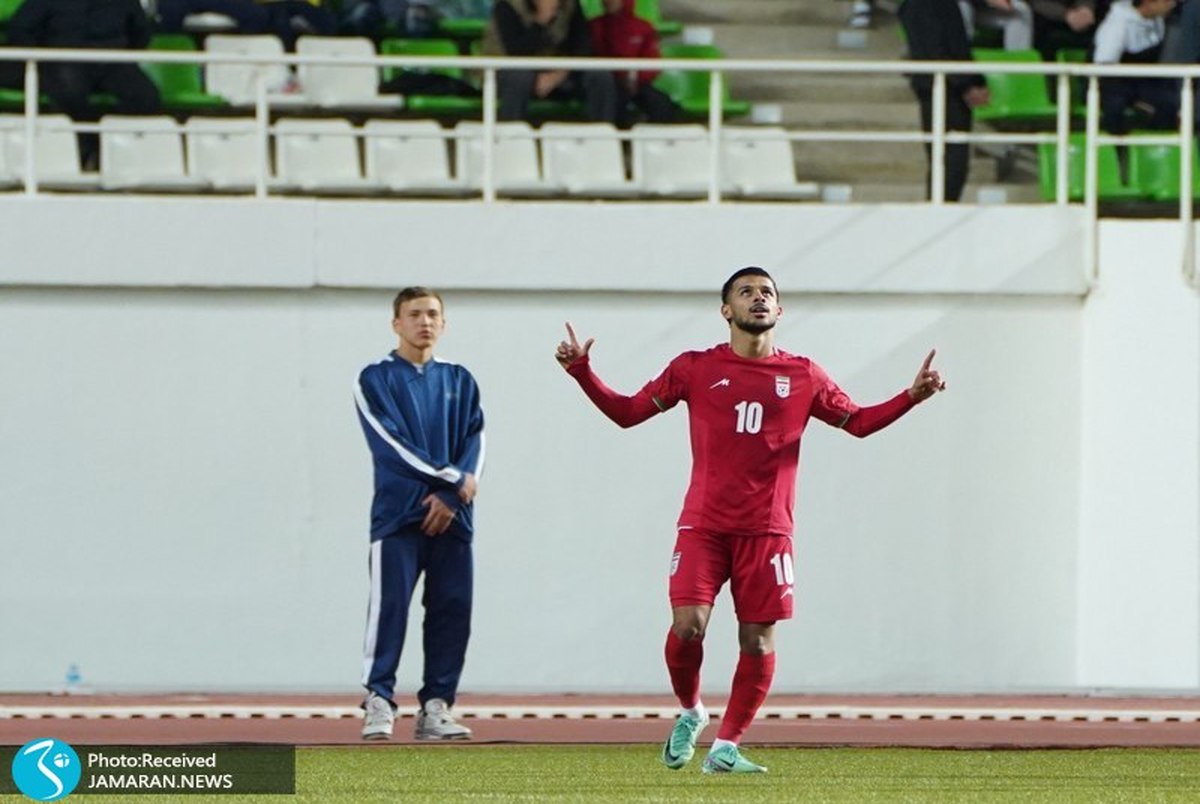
{"x":683,"y":663}
{"x":751,"y":681}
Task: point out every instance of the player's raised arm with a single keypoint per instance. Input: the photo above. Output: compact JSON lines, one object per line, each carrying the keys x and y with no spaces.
{"x":626,"y":411}
{"x":868,"y":420}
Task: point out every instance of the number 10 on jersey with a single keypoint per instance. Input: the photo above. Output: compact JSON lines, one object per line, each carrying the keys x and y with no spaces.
{"x":749,"y":417}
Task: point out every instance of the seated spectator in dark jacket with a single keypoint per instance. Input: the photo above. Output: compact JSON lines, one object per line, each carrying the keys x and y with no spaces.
{"x":936,"y":32}
{"x":102,"y":24}
{"x":1061,"y":24}
{"x":1132,"y":33}
{"x":546,"y":28}
{"x":621,"y":34}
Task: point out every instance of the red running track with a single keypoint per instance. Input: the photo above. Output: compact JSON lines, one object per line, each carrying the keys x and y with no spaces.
{"x":925,"y":721}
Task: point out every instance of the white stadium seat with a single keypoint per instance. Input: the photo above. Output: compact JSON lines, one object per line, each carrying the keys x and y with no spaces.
{"x":330,"y":85}
{"x":514,"y":159}
{"x":671,"y":160}
{"x":143,"y":153}
{"x":410,"y":156}
{"x":319,"y":155}
{"x":224,"y":151}
{"x":237,"y":82}
{"x":759,"y":163}
{"x":586,"y":159}
{"x":56,"y":152}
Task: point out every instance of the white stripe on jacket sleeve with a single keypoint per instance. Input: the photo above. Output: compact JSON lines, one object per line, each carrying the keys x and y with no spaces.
{"x":448,"y":473}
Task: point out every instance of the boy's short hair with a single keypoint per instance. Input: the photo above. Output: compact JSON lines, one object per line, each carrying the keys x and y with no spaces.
{"x":415,"y":292}
{"x":749,"y":270}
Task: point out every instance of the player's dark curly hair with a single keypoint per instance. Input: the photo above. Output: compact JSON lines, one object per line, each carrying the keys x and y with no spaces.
{"x":749,"y":270}
{"x":415,"y":292}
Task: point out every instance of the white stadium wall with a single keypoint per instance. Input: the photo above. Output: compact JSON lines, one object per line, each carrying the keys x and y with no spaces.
{"x":184,"y":487}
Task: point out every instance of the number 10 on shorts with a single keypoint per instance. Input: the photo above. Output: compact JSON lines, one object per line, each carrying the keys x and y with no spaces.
{"x":784,"y":574}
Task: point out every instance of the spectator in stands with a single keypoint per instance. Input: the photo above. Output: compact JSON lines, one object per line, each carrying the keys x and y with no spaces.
{"x":619,"y":33}
{"x":1013,"y":17}
{"x":379,"y":18}
{"x":936,"y":32}
{"x":413,"y":19}
{"x":546,"y":28}
{"x":1132,"y":33}
{"x":100,"y":24}
{"x":1065,"y":24}
{"x":286,"y":19}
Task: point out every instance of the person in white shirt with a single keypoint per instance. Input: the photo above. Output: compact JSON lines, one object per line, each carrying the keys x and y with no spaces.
{"x":1132,"y":33}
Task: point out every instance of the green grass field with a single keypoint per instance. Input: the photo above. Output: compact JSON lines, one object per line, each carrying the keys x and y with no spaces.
{"x":632,"y":773}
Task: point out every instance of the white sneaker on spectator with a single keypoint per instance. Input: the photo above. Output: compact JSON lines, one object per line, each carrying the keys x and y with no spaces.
{"x":434,"y":722}
{"x":860,"y":14}
{"x":377,"y":723}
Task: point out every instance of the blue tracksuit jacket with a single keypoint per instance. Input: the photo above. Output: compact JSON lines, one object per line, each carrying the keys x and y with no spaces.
{"x":424,"y":426}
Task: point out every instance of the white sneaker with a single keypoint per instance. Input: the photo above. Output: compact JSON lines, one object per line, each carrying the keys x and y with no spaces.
{"x":377,"y":723}
{"x":435,"y":722}
{"x":860,"y":14}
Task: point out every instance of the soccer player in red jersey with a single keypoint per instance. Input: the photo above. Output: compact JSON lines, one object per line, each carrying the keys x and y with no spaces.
{"x":748,"y":405}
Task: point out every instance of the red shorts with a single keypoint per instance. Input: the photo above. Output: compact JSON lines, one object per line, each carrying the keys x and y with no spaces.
{"x":758,"y":568}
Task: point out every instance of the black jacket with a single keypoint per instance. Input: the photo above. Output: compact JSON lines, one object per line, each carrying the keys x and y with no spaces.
{"x":111,"y":24}
{"x":936,"y":32}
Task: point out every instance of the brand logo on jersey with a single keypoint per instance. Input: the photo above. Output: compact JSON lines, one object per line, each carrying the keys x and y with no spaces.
{"x":789,"y":592}
{"x":721,"y":383}
{"x":783,"y":386}
{"x":674,"y":564}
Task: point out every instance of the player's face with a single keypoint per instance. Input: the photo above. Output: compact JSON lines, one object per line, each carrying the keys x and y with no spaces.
{"x":753,"y":305}
{"x":420,"y":322}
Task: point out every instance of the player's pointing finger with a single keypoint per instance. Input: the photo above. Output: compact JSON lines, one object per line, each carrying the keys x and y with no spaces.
{"x":571,"y":335}
{"x":928,"y":360}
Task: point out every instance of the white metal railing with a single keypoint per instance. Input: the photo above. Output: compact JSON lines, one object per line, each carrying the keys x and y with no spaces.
{"x":938,"y":138}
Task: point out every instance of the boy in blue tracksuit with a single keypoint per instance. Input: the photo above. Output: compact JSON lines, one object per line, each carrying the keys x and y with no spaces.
{"x":424,"y":426}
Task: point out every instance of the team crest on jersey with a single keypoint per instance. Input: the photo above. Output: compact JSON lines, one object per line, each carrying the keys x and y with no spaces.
{"x":674,"y":564}
{"x":783,"y":386}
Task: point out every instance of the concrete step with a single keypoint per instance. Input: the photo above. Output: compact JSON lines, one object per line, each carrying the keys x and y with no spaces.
{"x":892,"y":192}
{"x":838,"y":116}
{"x":845,"y":87}
{"x":824,"y":13}
{"x":803,"y":42}
{"x":911,"y":171}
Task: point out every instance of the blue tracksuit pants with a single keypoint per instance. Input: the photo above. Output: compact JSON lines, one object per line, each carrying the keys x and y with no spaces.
{"x":396,"y":563}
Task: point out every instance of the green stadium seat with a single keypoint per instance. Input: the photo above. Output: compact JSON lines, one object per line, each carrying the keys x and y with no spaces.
{"x":1015,"y":98}
{"x":420,"y":47}
{"x":1110,"y":185}
{"x":690,"y":88}
{"x":651,"y":13}
{"x":7,"y":9}
{"x":1155,"y":170}
{"x":180,"y":85}
{"x":463,"y":27}
{"x":450,"y":105}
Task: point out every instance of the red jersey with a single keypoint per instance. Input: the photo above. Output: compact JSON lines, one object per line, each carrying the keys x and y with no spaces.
{"x":746,"y":418}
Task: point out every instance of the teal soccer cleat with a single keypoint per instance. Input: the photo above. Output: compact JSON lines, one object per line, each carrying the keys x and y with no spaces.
{"x":727,"y":759}
{"x":681,"y":745}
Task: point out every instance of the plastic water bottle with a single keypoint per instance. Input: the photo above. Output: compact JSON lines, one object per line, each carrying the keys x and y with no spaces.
{"x":73,"y":680}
